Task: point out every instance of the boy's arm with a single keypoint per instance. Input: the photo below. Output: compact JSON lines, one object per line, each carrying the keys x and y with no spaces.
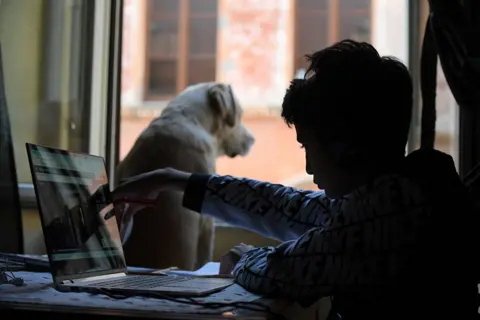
{"x":273,"y":210}
{"x":320,"y":263}
{"x":368,"y":242}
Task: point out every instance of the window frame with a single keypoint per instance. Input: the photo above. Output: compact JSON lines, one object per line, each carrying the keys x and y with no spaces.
{"x":113,"y":103}
{"x":469,"y":139}
{"x":105,"y":92}
{"x":465,"y":143}
{"x":183,"y":52}
{"x":415,"y":36}
{"x":333,"y":14}
{"x":468,"y":136}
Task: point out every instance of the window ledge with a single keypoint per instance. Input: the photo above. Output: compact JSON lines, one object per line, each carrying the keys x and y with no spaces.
{"x":26,"y":192}
{"x":154,"y":109}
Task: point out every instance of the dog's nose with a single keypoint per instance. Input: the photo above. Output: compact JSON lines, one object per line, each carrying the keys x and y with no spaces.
{"x":251,"y":140}
{"x":248,"y":143}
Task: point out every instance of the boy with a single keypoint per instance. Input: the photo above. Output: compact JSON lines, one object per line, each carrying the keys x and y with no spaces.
{"x":375,"y":237}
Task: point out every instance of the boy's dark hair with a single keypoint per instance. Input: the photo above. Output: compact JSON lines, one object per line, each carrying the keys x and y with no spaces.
{"x":358,"y":102}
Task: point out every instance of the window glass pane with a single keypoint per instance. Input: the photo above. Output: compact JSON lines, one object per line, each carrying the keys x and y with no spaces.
{"x":447,"y":122}
{"x":201,"y":70}
{"x":203,"y":6}
{"x":308,"y":42}
{"x":310,"y":15}
{"x":447,"y":112}
{"x":163,"y":7}
{"x":162,"y":43}
{"x":355,"y":25}
{"x":47,"y":69}
{"x":163,"y":39}
{"x":356,"y":6}
{"x":309,"y":5}
{"x":202,"y":35}
{"x":446,"y":135}
{"x":162,"y":78}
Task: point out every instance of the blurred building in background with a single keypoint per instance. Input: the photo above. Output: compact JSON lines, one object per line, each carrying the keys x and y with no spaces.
{"x":258,"y":46}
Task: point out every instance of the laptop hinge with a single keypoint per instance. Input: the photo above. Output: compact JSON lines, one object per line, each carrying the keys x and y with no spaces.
{"x":103,"y":277}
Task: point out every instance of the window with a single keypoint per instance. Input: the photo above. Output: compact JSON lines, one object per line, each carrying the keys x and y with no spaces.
{"x":47,"y":71}
{"x":446,"y":127}
{"x":56,"y":68}
{"x":448,"y":114}
{"x":354,"y":19}
{"x":333,"y":20}
{"x":447,"y":110}
{"x":181,"y":45}
{"x":310,"y":15}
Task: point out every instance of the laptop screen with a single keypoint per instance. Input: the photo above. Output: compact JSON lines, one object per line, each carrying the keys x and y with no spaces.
{"x":78,"y":238}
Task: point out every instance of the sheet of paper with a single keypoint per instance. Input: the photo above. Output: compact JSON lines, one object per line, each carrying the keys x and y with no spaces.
{"x":234,"y":293}
{"x":209,"y":269}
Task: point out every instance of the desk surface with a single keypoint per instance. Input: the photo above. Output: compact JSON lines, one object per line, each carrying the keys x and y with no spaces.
{"x":39,"y":295}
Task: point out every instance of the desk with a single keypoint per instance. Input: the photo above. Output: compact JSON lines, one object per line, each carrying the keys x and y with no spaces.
{"x":38,"y":297}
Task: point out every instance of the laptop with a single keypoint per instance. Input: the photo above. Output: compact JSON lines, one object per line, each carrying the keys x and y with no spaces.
{"x":84,"y":249}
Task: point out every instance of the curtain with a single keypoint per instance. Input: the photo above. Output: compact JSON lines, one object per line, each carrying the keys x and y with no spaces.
{"x":452,"y":35}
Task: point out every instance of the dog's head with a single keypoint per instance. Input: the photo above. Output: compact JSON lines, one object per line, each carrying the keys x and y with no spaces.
{"x":233,"y":137}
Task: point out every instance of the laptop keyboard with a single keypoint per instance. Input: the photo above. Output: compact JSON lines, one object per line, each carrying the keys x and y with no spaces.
{"x":139,"y":282}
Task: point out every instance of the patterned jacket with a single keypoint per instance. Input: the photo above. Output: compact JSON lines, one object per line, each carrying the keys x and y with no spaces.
{"x":367,"y":249}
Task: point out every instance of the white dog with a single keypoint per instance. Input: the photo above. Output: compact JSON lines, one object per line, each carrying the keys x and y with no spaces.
{"x":202,"y":123}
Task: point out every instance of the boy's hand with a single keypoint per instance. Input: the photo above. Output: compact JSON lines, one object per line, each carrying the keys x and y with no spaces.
{"x":231,"y":258}
{"x":136,"y":193}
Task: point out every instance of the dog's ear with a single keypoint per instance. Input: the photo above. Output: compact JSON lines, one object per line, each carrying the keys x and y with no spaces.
{"x":223,"y":102}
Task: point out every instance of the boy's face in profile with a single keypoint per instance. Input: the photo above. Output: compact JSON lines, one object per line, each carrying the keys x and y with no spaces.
{"x":317,"y":161}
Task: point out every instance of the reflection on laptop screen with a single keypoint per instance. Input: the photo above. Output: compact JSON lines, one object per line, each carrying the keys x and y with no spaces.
{"x":78,"y":239}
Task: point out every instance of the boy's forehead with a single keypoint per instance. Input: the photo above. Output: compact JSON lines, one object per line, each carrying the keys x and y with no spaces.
{"x":303,"y":133}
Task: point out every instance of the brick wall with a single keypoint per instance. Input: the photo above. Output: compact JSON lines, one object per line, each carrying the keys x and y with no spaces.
{"x":255,"y":50}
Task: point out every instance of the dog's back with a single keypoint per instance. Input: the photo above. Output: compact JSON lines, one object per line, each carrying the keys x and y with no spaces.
{"x":189,"y":135}
{"x":168,"y":142}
